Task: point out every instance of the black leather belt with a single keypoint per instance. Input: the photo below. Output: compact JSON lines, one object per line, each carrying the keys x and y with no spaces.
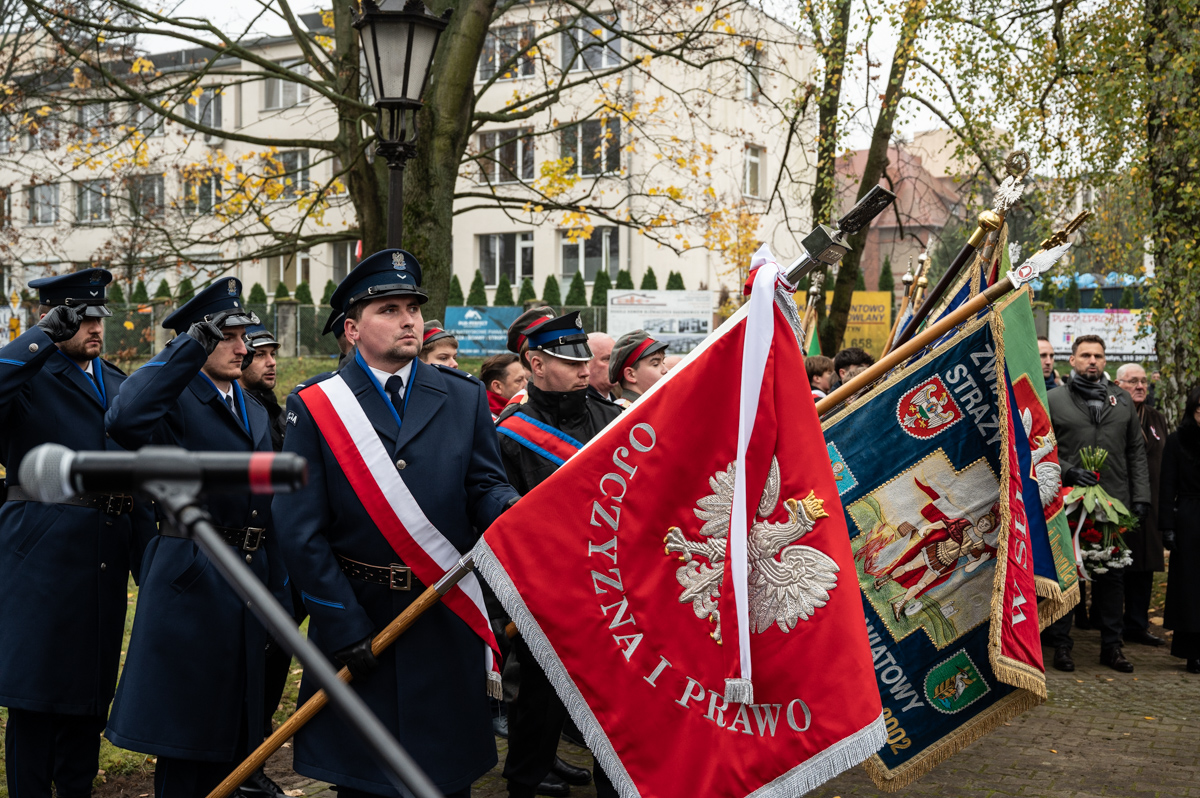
{"x":109,"y":503}
{"x":396,"y":577}
{"x":247,"y":538}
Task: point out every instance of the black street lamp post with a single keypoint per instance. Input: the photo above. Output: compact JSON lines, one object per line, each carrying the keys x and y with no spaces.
{"x":398,"y":48}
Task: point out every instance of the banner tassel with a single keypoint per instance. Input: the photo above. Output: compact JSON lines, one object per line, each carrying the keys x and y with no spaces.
{"x":495,"y":688}
{"x":739,"y":691}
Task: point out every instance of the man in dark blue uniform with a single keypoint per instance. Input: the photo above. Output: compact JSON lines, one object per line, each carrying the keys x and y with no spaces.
{"x":64,"y":568}
{"x":436,"y":433}
{"x":192,"y":689}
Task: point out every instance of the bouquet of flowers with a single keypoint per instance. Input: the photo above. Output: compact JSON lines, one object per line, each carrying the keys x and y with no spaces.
{"x":1099,"y":533}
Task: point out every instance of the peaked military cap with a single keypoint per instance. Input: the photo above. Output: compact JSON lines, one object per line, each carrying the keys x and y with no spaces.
{"x":258,"y":335}
{"x":83,"y":290}
{"x":434,"y":332}
{"x":223,"y":295}
{"x":336,"y":324}
{"x":527,"y":321}
{"x":562,"y":337}
{"x":389,"y":272}
{"x":629,"y":349}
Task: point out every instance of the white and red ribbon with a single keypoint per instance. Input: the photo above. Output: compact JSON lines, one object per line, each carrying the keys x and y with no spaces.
{"x":369,"y":469}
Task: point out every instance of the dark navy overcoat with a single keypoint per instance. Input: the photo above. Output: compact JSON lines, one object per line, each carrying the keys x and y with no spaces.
{"x":430,"y":688}
{"x":195,"y":660}
{"x":64,"y":570}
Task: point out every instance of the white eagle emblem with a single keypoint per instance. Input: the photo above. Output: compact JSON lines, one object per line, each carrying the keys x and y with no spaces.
{"x":788,"y":582}
{"x":1047,"y":473}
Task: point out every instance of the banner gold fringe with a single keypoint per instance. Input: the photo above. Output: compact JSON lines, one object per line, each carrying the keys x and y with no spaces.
{"x":1004,"y":710}
{"x":1052,"y":609}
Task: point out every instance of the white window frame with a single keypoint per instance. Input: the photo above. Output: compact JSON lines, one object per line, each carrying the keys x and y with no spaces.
{"x":579,"y":44}
{"x":297,"y":172}
{"x":205,"y":108}
{"x":94,"y":115}
{"x":494,"y":53}
{"x":342,"y":259}
{"x":144,"y":120}
{"x":47,"y":133}
{"x":93,"y":203}
{"x":201,"y":194}
{"x":610,"y":148}
{"x":43,"y":204}
{"x":137,"y":198}
{"x":610,"y":253}
{"x":752,"y":76}
{"x":492,"y":170}
{"x":280,"y":94}
{"x":753,"y":170}
{"x":522,"y":244}
{"x":6,"y":129}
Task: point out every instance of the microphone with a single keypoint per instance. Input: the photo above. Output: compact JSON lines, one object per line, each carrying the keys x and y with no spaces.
{"x":52,"y":472}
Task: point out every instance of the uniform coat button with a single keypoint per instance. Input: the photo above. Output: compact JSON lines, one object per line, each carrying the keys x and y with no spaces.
{"x":401,"y":465}
{"x":33,"y":347}
{"x":254,"y":513}
{"x":103,"y":566}
{"x":249,"y":558}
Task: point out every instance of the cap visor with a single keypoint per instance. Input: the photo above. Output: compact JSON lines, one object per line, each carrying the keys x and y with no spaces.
{"x":240,"y":320}
{"x":657,"y":346}
{"x":95,"y":312}
{"x":577,"y":351}
{"x":421,"y":296}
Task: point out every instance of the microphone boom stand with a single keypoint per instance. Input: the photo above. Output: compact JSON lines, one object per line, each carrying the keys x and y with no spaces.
{"x":177,"y":498}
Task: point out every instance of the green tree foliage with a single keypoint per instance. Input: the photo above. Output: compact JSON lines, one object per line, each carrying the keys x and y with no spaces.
{"x":1128,"y":298}
{"x":116,"y":294}
{"x":550,"y":292}
{"x":577,"y":293}
{"x":1072,"y":299}
{"x":455,"y":297}
{"x":527,"y":292}
{"x":675,"y":282}
{"x":887,"y":282}
{"x":649,"y":281}
{"x":304,"y":294}
{"x":477,"y":296}
{"x":624,"y":279}
{"x":258,"y":295}
{"x":1049,"y":292}
{"x":600,"y":288}
{"x":186,"y":291}
{"x":860,"y":284}
{"x":1097,"y":298}
{"x":954,"y":235}
{"x":163,"y":291}
{"x":330,"y":287}
{"x":140,"y":297}
{"x":281,"y":291}
{"x":504,"y":297}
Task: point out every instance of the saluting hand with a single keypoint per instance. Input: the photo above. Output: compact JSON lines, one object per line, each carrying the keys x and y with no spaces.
{"x":208,"y":333}
{"x":61,"y":323}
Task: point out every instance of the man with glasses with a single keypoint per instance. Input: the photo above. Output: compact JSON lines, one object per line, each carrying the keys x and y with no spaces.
{"x":1145,"y":542}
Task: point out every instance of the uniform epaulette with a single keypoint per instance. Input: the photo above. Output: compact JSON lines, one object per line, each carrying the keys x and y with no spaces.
{"x":456,"y":372}
{"x":117,"y":368}
{"x":312,"y":381}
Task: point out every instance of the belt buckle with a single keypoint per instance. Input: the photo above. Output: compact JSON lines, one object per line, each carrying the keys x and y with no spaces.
{"x":399,"y":571}
{"x":117,"y":504}
{"x":254,"y":533}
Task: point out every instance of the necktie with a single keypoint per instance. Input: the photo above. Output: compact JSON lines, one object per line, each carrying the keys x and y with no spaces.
{"x":229,"y":403}
{"x":393,"y":387}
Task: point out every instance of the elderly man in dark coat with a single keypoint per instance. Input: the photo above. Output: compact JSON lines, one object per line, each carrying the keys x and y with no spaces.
{"x":1179,"y":521}
{"x":1145,"y":544}
{"x":1091,"y":411}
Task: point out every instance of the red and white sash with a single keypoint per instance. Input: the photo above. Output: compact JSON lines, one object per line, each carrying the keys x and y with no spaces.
{"x":368,"y":467}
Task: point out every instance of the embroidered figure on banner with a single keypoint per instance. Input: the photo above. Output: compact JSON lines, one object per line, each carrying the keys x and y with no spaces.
{"x":927,"y":409}
{"x":843,"y":477}
{"x":789,"y":582}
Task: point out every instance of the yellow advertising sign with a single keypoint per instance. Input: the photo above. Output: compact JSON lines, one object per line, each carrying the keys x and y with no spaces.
{"x":870,"y":319}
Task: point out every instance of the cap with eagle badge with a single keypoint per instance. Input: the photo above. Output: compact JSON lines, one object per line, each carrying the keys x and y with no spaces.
{"x":83,"y":290}
{"x":527,"y":321}
{"x":224,"y":295}
{"x":629,"y":349}
{"x":389,"y":272}
{"x":563,"y":337}
{"x":434,"y":333}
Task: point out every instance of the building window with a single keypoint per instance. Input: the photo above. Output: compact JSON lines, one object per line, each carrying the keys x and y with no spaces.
{"x":281,"y":93}
{"x":201,"y":194}
{"x":599,"y":251}
{"x":144,"y":120}
{"x":504,"y":254}
{"x":344,"y":259}
{"x":506,"y":49}
{"x":291,"y":167}
{"x":591,"y":44}
{"x":751,"y":179}
{"x":43,"y":133}
{"x":94,"y":120}
{"x":506,"y":156}
{"x":146,"y":195}
{"x":5,"y":208}
{"x":752,"y":75}
{"x":43,"y":204}
{"x":594,"y":146}
{"x":204,"y":108}
{"x":291,"y":270}
{"x":91,"y":201}
{"x":6,"y":135}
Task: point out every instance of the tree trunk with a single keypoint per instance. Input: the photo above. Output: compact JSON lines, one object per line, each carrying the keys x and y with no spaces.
{"x":1172,"y":59}
{"x":877,"y":158}
{"x":443,"y":130}
{"x":833,"y":53}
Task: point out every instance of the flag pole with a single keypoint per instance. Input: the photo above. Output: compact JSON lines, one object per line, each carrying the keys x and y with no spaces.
{"x":386,"y":637}
{"x":908,"y":279}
